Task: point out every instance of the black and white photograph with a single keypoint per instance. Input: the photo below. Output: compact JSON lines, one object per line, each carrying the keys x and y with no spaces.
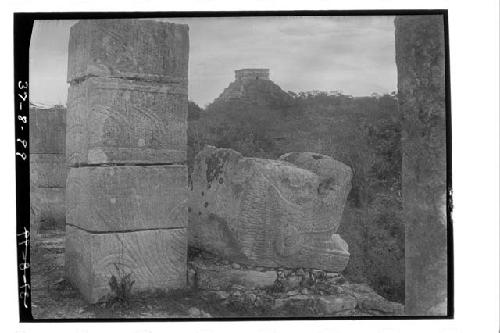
{"x":238,"y":167}
{"x":235,"y":165}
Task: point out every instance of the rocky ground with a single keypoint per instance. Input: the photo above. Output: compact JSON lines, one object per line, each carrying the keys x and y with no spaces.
{"x":235,"y":291}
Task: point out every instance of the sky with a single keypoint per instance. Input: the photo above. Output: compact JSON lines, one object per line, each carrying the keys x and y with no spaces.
{"x":355,"y":55}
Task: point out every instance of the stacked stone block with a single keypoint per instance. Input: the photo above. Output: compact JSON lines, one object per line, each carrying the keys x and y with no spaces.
{"x":126,"y":146}
{"x":47,"y":163}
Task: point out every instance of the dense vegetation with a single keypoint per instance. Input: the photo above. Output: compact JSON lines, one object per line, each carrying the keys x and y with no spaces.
{"x":363,"y":132}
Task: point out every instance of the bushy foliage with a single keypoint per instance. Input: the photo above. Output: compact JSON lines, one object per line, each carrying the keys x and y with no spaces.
{"x":362,"y":132}
{"x":194,"y":111}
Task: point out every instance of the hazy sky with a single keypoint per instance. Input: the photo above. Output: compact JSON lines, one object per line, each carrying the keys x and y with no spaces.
{"x":351,"y":54}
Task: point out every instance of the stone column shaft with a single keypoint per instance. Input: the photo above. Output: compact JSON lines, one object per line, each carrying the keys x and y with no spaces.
{"x":126,"y":148}
{"x":420,"y":58}
{"x":47,"y":163}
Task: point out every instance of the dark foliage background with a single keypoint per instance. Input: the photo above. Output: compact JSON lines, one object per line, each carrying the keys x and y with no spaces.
{"x":362,"y":132}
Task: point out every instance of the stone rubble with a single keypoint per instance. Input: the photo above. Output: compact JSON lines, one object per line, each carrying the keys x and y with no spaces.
{"x":314,"y":291}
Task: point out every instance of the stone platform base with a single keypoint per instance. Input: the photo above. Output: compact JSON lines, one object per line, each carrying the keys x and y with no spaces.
{"x":212,"y":276}
{"x":281,"y":291}
{"x":152,"y":259}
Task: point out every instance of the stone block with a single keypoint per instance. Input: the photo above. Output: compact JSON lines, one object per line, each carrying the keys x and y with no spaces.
{"x":122,"y":198}
{"x":52,"y":207}
{"x":155,"y":259}
{"x":334,"y":304}
{"x":124,"y":121}
{"x":380,"y":304}
{"x":211,"y":276}
{"x":128,"y":48}
{"x":268,"y":212}
{"x":48,"y":170}
{"x":47,"y":131}
{"x":369,"y":301}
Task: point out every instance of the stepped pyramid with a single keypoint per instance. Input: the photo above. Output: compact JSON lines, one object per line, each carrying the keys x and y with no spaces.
{"x":253,"y":85}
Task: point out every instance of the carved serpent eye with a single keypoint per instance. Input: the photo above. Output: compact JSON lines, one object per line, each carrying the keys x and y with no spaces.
{"x":326,"y":185}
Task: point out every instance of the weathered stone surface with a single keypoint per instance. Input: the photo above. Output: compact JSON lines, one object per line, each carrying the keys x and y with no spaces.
{"x":154,"y":258}
{"x":378,"y":303}
{"x":333,"y":304}
{"x":126,"y":126}
{"x":123,"y":121}
{"x":369,"y":302}
{"x":47,"y":136}
{"x":120,"y":198}
{"x":420,"y":58}
{"x":47,"y":130}
{"x":335,"y":178}
{"x":267,"y":212}
{"x":328,"y":305}
{"x":48,"y":170}
{"x":129,"y":48}
{"x":210,"y":276}
{"x":52,"y":206}
{"x":302,"y":300}
{"x":197,"y":313}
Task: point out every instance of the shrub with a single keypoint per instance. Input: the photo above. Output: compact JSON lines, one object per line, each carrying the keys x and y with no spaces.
{"x":121,"y":287}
